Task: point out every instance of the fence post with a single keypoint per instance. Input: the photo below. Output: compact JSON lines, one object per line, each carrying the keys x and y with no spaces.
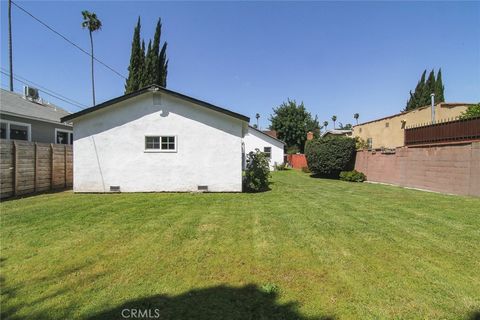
{"x":51,"y":166}
{"x":35,"y":168}
{"x":65,"y":166}
{"x":15,"y":169}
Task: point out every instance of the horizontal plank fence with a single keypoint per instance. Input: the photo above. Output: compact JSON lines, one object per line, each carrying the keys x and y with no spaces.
{"x":30,"y":167}
{"x":440,"y":132}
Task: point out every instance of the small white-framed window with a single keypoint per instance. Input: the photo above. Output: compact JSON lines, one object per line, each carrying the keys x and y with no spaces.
{"x":14,"y":130}
{"x":63,"y":136}
{"x":160,"y":143}
{"x":268,"y":152}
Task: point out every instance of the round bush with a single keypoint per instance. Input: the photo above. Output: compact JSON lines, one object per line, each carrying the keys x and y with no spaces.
{"x":330,"y":155}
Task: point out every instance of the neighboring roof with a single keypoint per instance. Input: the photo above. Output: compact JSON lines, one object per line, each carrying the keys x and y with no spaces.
{"x":336,"y":132}
{"x":271,"y":133}
{"x":265,"y":134}
{"x":156,"y":88}
{"x":442,"y":104}
{"x":15,"y":104}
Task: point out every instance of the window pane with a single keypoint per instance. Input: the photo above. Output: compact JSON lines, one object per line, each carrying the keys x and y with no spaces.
{"x":168,"y":143}
{"x":3,"y":134}
{"x":152,"y":142}
{"x":268,"y":152}
{"x":18,"y":132}
{"x":62,"y":137}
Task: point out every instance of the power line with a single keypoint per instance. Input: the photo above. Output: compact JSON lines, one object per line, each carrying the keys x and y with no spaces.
{"x":50,"y":92}
{"x":68,"y":40}
{"x":20,"y":78}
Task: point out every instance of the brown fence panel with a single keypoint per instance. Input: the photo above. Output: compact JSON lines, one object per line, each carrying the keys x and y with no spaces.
{"x":451,"y":131}
{"x":28,"y":167}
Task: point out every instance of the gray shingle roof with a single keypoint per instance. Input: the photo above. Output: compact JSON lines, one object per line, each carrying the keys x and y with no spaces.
{"x":14,"y":104}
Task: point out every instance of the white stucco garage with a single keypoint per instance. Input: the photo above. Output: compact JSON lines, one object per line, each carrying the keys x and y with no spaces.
{"x":272,"y":147}
{"x":157,"y":140}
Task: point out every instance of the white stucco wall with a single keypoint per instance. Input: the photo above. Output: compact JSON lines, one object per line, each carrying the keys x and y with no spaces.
{"x":109,"y":147}
{"x":258,"y":140}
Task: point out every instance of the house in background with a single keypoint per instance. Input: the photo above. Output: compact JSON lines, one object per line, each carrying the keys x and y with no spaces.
{"x":389,"y":132}
{"x":156,"y":139}
{"x":272,"y":147}
{"x":337,"y":132}
{"x":27,"y":117}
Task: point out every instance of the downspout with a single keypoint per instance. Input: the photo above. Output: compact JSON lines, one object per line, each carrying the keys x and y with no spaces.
{"x":432,"y":96}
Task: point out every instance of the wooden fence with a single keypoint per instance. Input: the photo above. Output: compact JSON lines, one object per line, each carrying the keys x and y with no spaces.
{"x":28,"y":167}
{"x":440,"y":132}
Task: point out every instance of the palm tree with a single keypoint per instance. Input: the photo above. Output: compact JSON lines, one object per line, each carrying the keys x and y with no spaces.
{"x":325,"y":124}
{"x":10,"y":43}
{"x":91,"y":22}
{"x":334,"y":118}
{"x":356,"y":116}
{"x":258,"y":117}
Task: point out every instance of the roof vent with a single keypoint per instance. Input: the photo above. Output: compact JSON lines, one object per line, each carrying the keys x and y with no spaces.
{"x":30,"y":93}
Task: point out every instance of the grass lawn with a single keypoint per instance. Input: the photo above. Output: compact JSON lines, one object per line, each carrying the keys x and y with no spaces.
{"x":309,"y":248}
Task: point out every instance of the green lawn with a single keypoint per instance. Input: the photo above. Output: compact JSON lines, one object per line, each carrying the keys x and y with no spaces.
{"x":309,"y":248}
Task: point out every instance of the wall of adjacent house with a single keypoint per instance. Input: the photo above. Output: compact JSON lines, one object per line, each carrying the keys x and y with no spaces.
{"x":28,"y":167}
{"x":451,"y":169}
{"x":389,"y":132}
{"x":41,"y":131}
{"x":256,"y":140}
{"x":109,"y":147}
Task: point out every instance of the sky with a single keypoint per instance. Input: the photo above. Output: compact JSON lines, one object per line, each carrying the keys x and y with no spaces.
{"x":339,"y":58}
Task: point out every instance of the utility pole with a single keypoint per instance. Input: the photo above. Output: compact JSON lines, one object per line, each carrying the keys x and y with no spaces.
{"x":10,"y":42}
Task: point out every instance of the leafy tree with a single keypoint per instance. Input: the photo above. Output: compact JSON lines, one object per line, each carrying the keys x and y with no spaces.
{"x":334,"y":118}
{"x":472,"y":111}
{"x":347,"y":126}
{"x":292,"y":122}
{"x":135,"y":69}
{"x":92,"y":23}
{"x":356,"y":116}
{"x":439,"y":88}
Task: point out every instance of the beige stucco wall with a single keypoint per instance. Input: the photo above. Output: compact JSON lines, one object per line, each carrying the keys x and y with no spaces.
{"x":389,"y":132}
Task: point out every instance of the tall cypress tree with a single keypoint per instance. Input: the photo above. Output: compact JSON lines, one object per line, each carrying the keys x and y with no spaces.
{"x":429,"y":89}
{"x":162,"y":66}
{"x":148,"y":67}
{"x":150,"y":59}
{"x":439,"y":88}
{"x":416,"y":99}
{"x":136,"y":62}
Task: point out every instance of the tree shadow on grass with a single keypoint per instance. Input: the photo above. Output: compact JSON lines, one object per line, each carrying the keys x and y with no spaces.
{"x":220,"y":302}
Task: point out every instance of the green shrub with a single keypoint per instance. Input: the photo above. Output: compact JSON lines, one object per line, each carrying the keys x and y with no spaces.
{"x":330,"y":155}
{"x":280,"y":167}
{"x":306,"y":170}
{"x":270,"y":288}
{"x":257,"y":172}
{"x":352,"y":176}
{"x":293,"y":150}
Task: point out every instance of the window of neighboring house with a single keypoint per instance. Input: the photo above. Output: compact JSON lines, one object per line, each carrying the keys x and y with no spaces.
{"x":15,"y":130}
{"x":369,"y":143}
{"x":161,"y":143}
{"x":387,"y":124}
{"x":3,"y":134}
{"x":268,"y":152}
{"x":63,"y":136}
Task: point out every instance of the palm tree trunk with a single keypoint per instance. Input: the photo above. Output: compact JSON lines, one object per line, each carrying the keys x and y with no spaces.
{"x":10,"y":43}
{"x":93,"y":76}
